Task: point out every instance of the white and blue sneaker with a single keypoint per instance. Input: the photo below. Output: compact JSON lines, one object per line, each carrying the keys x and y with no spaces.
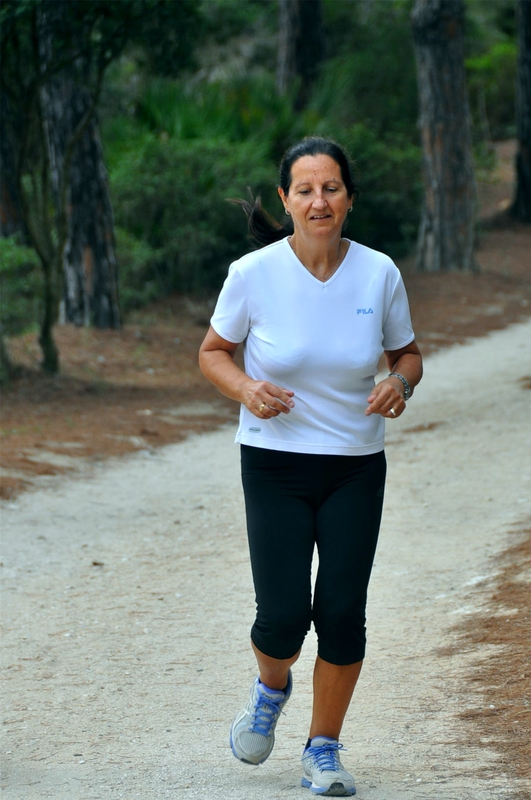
{"x":252,"y":734}
{"x":323,"y":771}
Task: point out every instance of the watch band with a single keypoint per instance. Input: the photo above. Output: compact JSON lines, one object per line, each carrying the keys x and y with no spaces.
{"x":408,"y":391}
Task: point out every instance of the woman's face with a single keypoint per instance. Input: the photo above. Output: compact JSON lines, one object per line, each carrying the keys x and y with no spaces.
{"x":317,"y":198}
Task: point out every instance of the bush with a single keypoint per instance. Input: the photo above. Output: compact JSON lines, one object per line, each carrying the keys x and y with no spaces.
{"x":172,"y":194}
{"x":389,"y":168}
{"x":191,"y":146}
{"x":139,"y":282}
{"x":370,"y":75}
{"x":492,"y":81}
{"x":20,"y":287}
{"x":20,"y":295}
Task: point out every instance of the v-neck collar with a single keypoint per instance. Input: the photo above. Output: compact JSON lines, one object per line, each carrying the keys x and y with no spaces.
{"x":310,"y":274}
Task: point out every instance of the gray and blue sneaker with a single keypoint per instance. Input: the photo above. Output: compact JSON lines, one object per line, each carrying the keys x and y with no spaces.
{"x":252,"y":734}
{"x":323,"y":771}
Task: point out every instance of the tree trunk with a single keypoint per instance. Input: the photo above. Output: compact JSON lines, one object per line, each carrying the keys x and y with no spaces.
{"x":91,"y":284}
{"x":301,"y":47}
{"x":50,"y":353}
{"x":446,"y":232}
{"x":521,"y":208}
{"x":88,"y":261}
{"x":6,"y":365}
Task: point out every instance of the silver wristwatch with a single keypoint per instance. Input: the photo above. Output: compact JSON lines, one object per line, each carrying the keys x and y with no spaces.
{"x":408,"y":391}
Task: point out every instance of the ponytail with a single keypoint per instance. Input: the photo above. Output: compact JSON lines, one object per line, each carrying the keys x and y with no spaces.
{"x":264,"y":228}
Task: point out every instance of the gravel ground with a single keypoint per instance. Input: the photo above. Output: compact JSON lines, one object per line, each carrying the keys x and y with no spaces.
{"x":127,"y":601}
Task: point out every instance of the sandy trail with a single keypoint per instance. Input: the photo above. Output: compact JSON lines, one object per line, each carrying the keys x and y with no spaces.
{"x":127,"y":601}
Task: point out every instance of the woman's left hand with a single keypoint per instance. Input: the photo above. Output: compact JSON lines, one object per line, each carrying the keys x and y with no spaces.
{"x":386,"y":399}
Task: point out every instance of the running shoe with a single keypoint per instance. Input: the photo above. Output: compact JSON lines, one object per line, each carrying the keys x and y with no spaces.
{"x":252,"y":734}
{"x":323,"y":771}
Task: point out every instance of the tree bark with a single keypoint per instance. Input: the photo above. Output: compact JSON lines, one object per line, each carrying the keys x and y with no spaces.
{"x":89,"y":264}
{"x":301,"y":47}
{"x":90,"y":293}
{"x":446,"y":232}
{"x":521,"y":208}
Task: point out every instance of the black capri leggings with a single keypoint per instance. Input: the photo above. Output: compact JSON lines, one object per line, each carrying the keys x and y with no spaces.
{"x":295,"y":501}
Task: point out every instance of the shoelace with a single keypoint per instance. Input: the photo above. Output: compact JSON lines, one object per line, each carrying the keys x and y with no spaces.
{"x":326,"y":756}
{"x":264,"y":715}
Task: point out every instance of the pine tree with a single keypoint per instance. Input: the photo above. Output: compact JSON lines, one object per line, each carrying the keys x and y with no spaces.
{"x":446,"y":233}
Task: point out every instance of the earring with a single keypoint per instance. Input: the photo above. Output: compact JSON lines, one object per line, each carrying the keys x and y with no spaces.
{"x":350,"y":209}
{"x":288,"y":212}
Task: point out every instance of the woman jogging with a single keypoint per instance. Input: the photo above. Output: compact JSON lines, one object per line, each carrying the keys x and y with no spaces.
{"x":314,"y":312}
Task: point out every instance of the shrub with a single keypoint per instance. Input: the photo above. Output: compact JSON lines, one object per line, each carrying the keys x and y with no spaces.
{"x":139,"y":282}
{"x":172,"y":194}
{"x":20,"y":287}
{"x":389,"y":167}
{"x":20,"y":295}
{"x":492,"y":81}
{"x":370,"y":74}
{"x":192,"y":146}
{"x":235,"y":110}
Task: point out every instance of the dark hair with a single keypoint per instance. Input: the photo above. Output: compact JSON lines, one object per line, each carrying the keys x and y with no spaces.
{"x":262,"y":226}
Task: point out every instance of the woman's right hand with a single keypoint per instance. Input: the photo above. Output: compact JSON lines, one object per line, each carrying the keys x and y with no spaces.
{"x":263,"y":399}
{"x":266,"y":400}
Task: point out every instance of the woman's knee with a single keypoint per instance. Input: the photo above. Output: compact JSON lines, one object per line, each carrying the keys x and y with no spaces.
{"x":342,"y":647}
{"x":341,"y":636}
{"x":280,"y":634}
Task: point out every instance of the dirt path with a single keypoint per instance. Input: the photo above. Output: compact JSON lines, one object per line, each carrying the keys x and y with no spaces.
{"x":127,"y":601}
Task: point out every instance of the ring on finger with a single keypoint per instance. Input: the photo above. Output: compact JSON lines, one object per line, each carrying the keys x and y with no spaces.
{"x":261,"y":407}
{"x":392,"y":412}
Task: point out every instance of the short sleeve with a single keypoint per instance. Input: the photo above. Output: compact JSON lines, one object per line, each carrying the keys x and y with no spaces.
{"x":231,"y":318}
{"x":397,"y":328}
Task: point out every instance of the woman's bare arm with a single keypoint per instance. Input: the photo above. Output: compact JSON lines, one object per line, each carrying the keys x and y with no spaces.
{"x":262,"y":398}
{"x":389,"y":393}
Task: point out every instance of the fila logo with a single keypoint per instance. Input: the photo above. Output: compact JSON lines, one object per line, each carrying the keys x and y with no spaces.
{"x":365,"y":311}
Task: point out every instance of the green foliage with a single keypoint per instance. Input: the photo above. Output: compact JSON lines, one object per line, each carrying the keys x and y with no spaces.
{"x":386,"y":214}
{"x":20,"y":287}
{"x":370,"y":74}
{"x":227,"y":19}
{"x":492,"y":81}
{"x":192,"y":146}
{"x":240,"y":36}
{"x":491,"y":63}
{"x":172,"y":194}
{"x":177,"y":149}
{"x":169,"y":33}
{"x":236,"y":110}
{"x":172,"y":168}
{"x":487,"y":23}
{"x":137,"y":270}
{"x":42,"y":41}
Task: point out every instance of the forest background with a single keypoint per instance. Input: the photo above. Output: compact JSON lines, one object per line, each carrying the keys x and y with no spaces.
{"x":194,"y":104}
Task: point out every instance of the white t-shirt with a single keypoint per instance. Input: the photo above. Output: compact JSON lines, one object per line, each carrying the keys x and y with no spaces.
{"x":321,"y":340}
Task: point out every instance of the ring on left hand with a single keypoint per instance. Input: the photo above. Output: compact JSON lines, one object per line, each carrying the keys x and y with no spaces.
{"x":392,"y":412}
{"x":261,"y":408}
